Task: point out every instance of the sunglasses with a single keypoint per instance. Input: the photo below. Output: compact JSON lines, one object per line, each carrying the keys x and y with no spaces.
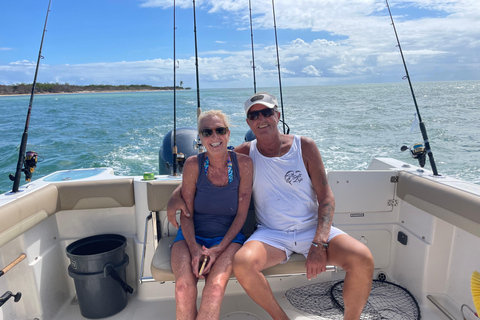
{"x":265,"y":112}
{"x":208,"y":132}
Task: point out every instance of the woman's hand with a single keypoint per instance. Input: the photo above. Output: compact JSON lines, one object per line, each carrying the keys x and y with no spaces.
{"x":197,"y":261}
{"x":212,"y":253}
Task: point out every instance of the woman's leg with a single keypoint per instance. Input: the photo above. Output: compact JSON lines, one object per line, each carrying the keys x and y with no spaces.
{"x":185,"y":281}
{"x":216,"y":283}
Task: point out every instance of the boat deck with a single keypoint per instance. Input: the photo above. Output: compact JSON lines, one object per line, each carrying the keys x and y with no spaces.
{"x":236,"y":304}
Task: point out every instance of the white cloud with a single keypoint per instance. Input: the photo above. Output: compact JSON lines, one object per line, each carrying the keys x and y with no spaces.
{"x":312,"y":71}
{"x":339,"y":40}
{"x":366,"y":43}
{"x":23,"y":63}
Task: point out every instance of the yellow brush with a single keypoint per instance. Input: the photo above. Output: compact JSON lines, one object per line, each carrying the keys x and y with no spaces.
{"x":475,"y":287}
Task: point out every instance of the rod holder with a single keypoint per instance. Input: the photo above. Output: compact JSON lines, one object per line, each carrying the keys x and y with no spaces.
{"x":7,"y":295}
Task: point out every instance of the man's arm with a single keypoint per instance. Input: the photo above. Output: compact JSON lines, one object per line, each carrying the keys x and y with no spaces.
{"x":175,"y":203}
{"x":244,"y":148}
{"x":317,"y":256}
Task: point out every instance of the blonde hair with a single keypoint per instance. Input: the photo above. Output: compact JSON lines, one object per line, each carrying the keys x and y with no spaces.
{"x":213,"y":113}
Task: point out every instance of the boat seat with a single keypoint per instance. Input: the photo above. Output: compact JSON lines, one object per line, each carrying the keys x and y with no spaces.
{"x":161,"y":268}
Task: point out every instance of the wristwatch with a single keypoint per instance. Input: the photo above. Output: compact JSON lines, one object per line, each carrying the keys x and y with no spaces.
{"x":316,"y":245}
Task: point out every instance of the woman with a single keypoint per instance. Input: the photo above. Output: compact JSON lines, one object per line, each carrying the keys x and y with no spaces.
{"x":216,"y":187}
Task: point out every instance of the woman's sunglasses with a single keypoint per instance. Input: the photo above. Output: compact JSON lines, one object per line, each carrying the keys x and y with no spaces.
{"x":265,"y":112}
{"x":208,"y":132}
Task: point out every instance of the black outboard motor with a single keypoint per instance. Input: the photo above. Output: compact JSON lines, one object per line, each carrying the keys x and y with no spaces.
{"x":187,"y":145}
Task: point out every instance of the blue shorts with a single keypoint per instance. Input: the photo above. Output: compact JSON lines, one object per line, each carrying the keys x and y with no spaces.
{"x":210,"y":242}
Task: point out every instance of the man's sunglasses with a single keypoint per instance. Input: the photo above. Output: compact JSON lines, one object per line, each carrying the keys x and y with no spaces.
{"x":208,"y":132}
{"x":265,"y":112}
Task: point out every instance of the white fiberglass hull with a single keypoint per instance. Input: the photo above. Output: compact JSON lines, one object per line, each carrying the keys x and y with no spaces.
{"x":439,"y":216}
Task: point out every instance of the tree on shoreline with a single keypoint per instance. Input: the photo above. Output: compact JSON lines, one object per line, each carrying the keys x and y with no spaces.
{"x":24,"y":88}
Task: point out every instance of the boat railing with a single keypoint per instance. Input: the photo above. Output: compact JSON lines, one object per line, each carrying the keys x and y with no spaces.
{"x":28,"y":210}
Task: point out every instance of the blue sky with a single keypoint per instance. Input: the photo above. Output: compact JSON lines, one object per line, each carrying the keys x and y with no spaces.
{"x":320,"y":41}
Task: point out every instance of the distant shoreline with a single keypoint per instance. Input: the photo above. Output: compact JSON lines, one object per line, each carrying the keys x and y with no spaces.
{"x":59,"y":88}
{"x":86,"y":92}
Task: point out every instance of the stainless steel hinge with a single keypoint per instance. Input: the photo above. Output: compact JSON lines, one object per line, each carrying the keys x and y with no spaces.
{"x":392,"y":202}
{"x":394,"y":179}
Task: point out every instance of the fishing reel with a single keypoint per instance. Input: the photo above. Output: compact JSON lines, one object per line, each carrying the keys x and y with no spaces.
{"x":418,"y":152}
{"x":179,"y":158}
{"x":197,"y":145}
{"x":29,"y":165}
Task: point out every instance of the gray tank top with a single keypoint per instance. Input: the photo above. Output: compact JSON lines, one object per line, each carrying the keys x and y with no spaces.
{"x":215,"y":207}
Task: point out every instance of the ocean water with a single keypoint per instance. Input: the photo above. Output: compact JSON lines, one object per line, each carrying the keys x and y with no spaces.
{"x":351,"y":125}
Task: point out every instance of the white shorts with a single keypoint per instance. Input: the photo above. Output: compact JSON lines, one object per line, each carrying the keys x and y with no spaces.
{"x":290,"y":241}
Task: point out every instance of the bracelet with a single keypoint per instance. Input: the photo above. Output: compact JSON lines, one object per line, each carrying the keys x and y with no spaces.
{"x":316,"y":245}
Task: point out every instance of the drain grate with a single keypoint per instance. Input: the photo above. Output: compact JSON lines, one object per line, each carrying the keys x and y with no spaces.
{"x":240,"y":316}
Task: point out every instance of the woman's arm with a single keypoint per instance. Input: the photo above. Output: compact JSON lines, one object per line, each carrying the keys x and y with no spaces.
{"x":176,"y":201}
{"x":244,"y":194}
{"x":189,"y":180}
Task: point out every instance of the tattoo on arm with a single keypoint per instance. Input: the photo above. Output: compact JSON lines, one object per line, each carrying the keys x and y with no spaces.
{"x":327,"y":216}
{"x":325,"y":182}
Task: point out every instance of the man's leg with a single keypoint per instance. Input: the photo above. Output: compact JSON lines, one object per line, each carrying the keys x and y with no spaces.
{"x":248,"y":263}
{"x":355,"y":258}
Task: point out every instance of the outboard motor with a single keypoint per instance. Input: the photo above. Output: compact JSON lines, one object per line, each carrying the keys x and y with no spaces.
{"x":249,"y":136}
{"x":187,"y":145}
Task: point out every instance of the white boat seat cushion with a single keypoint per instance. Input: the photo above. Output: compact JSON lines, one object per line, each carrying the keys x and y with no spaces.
{"x":162,"y":271}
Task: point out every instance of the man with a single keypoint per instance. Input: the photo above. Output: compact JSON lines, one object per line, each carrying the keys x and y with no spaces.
{"x":294,"y":207}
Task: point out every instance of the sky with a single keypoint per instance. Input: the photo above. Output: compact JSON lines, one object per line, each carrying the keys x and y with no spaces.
{"x":320,"y":42}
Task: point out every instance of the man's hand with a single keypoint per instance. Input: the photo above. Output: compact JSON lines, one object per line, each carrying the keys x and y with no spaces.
{"x":316,"y":262}
{"x":176,"y":203}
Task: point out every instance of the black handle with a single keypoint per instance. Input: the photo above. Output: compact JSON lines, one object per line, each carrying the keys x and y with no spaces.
{"x":110,"y":271}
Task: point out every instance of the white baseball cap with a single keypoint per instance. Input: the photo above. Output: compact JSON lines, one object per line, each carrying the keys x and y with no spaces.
{"x":263,"y":98}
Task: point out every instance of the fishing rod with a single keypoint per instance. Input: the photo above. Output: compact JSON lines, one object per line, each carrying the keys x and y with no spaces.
{"x":253,"y":52}
{"x":197,"y":144}
{"x":278,"y":65}
{"x":174,"y":149}
{"x":422,"y":125}
{"x":23,"y":145}
{"x":199,"y":110}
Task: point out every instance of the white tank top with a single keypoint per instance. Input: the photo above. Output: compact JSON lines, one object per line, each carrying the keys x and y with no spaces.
{"x":283,"y":194}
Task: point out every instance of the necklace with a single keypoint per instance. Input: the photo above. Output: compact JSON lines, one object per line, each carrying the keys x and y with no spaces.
{"x":229,"y":167}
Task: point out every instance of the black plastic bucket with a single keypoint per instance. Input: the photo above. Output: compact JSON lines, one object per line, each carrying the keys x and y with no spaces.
{"x":98,"y":266}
